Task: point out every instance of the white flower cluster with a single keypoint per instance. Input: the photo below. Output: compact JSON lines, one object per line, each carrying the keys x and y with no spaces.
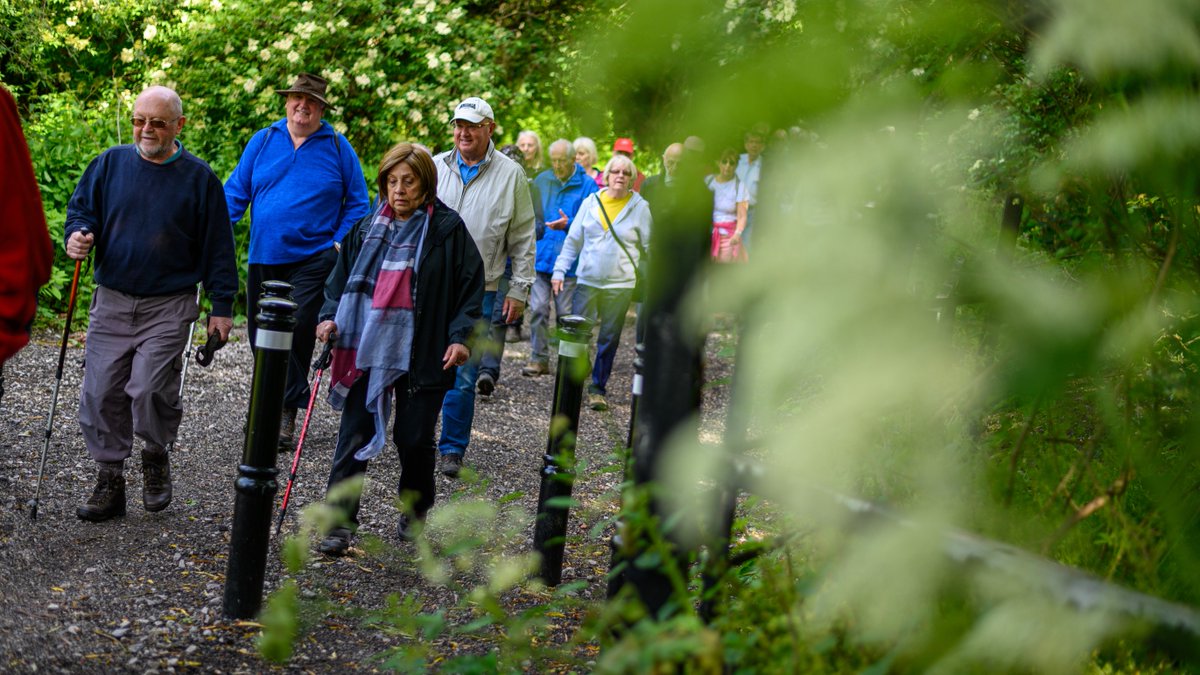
{"x":780,"y":10}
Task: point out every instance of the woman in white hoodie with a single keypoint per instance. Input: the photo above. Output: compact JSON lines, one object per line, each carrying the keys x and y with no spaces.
{"x":609,"y":236}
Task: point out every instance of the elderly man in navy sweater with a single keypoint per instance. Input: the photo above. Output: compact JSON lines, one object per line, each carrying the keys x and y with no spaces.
{"x":156,"y":216}
{"x":307,"y":190}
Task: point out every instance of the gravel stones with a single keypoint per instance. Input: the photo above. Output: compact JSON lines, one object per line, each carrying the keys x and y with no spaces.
{"x":143,"y":593}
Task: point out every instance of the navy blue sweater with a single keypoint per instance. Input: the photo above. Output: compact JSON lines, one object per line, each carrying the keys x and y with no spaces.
{"x":160,"y":228}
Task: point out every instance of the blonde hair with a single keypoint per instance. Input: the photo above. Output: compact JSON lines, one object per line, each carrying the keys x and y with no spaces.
{"x":589,"y":146}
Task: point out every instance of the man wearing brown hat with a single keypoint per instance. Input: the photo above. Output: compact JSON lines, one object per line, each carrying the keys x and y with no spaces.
{"x":306,"y":189}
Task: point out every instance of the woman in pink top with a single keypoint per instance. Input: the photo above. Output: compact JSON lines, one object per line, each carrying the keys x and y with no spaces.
{"x":731,"y":202}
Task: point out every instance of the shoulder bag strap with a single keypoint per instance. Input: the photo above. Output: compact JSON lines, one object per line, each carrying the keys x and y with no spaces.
{"x":636,"y":274}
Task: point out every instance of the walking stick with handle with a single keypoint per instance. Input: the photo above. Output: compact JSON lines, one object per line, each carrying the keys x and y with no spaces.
{"x":320,"y":366}
{"x":58,"y":378}
{"x":187,"y":352}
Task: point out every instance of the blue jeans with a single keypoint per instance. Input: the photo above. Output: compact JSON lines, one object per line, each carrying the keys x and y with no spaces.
{"x":458,"y":406}
{"x":540,"y":299}
{"x":608,"y":307}
{"x":491,"y":354}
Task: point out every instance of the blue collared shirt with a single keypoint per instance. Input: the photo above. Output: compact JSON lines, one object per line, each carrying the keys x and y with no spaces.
{"x":467,"y":172}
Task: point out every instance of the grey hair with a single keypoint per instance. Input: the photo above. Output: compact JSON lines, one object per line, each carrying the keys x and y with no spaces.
{"x":620,"y":162}
{"x":561,"y":143}
{"x":587,"y":145}
{"x":173,"y":100}
{"x":532,"y":134}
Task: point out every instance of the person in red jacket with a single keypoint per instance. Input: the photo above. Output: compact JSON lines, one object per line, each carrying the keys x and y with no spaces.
{"x":26,"y":255}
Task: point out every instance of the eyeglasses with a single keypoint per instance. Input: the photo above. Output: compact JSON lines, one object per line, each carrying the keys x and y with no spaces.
{"x":467,"y":126}
{"x":140,"y":122}
{"x":622,"y":172}
{"x":728,"y":161}
{"x":153,"y":123}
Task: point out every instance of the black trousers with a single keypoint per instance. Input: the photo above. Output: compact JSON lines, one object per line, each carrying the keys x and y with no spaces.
{"x":416,"y":418}
{"x":308,"y":280}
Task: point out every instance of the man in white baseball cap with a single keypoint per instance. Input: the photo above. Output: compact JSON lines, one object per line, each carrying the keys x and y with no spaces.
{"x":491,"y":194}
{"x":474,"y":110}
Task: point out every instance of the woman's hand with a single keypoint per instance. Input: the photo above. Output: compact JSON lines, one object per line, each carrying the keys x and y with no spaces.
{"x":456,"y":355}
{"x":556,"y":285}
{"x":325,"y":330}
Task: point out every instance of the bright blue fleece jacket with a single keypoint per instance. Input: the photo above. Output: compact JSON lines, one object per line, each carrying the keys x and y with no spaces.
{"x":559,"y":194}
{"x":304,"y":199}
{"x":160,"y":228}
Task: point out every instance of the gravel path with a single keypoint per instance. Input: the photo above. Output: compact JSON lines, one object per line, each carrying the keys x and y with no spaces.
{"x":143,"y":593}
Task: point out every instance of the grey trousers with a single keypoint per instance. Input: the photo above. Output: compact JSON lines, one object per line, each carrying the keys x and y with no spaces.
{"x":540,"y":299}
{"x":131,"y":376}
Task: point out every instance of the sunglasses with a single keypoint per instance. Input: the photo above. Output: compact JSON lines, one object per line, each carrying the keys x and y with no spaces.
{"x":140,"y":122}
{"x":622,"y":172}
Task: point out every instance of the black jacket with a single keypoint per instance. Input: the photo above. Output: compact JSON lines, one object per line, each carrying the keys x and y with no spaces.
{"x":449,"y":292}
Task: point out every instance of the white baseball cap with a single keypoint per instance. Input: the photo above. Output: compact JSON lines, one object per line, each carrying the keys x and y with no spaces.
{"x":474,"y":110}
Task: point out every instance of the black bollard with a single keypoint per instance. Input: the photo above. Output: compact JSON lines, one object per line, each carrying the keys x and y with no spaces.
{"x":671,"y":386}
{"x":271,"y":288}
{"x":617,"y":544}
{"x":255,"y":484}
{"x":639,"y":362}
{"x":558,"y":470}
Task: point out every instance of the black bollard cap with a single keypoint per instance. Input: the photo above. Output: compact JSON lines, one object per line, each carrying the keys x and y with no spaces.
{"x":575,"y":328}
{"x":274,"y":288}
{"x":276,"y":314}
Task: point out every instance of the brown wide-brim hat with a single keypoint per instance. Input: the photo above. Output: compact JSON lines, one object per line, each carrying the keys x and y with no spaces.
{"x":308,"y":84}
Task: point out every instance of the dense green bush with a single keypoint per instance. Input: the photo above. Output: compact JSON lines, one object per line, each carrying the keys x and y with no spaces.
{"x":395,"y":73}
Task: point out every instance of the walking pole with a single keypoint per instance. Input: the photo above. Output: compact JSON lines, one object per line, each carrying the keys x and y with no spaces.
{"x":320,"y":366}
{"x":187,"y":349}
{"x":187,"y":353}
{"x":58,"y":377}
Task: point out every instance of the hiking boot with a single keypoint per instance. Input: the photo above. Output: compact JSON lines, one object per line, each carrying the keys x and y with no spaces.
{"x":410,"y":526}
{"x":108,"y":499}
{"x":287,"y":429}
{"x":512,"y":334}
{"x":535,"y":368}
{"x":485,"y":384}
{"x":336,"y":543}
{"x":450,"y":464}
{"x":596,"y":401}
{"x":156,"y":480}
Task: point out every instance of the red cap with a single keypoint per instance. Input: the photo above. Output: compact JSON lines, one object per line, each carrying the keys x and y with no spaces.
{"x":623,"y":145}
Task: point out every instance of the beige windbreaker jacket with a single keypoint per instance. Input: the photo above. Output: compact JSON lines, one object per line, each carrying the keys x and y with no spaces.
{"x":498,"y":211}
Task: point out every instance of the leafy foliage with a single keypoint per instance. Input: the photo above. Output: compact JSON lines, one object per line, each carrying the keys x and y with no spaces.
{"x":395,"y":72}
{"x":1057,"y":414}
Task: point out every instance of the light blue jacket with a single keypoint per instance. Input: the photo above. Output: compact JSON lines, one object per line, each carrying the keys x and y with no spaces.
{"x":602,"y":262}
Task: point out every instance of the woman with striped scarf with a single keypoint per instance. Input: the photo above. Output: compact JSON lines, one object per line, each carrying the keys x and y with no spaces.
{"x":401,"y":303}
